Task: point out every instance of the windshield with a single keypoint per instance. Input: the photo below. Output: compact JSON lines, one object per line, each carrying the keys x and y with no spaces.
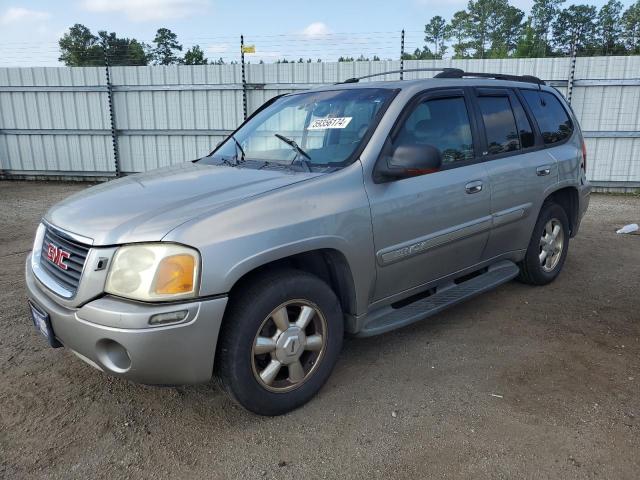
{"x":312,"y":129}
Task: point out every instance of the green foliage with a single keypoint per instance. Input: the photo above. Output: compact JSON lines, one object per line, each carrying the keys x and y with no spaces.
{"x":631,"y":28}
{"x":81,"y":48}
{"x":485,"y":29}
{"x":195,"y":56}
{"x":576,"y":24}
{"x":123,"y":51}
{"x":497,"y":29}
{"x":459,"y":29}
{"x":436,"y":32}
{"x":167,"y":46}
{"x":543,"y":13}
{"x":610,"y":28}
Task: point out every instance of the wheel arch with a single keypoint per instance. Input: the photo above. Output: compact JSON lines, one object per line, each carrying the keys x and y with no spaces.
{"x":328,"y":264}
{"x":568,"y":199}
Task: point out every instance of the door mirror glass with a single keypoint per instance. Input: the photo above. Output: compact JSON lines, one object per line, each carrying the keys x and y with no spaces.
{"x":409,"y":160}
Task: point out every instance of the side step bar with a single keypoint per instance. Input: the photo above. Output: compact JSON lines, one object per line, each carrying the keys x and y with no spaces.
{"x":390,"y":318}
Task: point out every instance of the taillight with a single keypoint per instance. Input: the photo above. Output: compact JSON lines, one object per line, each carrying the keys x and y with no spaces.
{"x":584,"y":157}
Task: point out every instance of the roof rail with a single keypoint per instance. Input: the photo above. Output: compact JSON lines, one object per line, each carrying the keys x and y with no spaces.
{"x":443,"y":70}
{"x":457,"y":73}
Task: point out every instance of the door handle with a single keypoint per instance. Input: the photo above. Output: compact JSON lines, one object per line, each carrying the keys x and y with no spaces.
{"x":473,"y":187}
{"x":544,"y":170}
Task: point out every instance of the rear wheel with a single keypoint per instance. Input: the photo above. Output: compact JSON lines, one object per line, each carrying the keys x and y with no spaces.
{"x":281,"y":338}
{"x":548,"y":247}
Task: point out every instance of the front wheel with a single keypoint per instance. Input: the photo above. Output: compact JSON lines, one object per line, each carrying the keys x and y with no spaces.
{"x":280,"y":340}
{"x":548,"y":247}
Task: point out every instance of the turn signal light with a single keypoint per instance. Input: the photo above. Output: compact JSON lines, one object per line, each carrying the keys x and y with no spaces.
{"x":175,"y":274}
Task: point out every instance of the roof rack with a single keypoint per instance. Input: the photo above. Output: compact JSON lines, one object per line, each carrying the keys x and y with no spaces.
{"x":455,"y":73}
{"x":357,"y":79}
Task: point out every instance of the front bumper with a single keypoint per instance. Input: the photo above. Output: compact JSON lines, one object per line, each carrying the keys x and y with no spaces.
{"x":113,"y":335}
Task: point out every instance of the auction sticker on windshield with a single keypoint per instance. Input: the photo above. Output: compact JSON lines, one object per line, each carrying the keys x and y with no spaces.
{"x":324,"y":123}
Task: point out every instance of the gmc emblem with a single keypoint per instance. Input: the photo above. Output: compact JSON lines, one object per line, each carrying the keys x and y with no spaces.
{"x":57,"y":256}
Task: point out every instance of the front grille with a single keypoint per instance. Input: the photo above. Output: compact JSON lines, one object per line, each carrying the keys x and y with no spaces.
{"x":69,"y":278}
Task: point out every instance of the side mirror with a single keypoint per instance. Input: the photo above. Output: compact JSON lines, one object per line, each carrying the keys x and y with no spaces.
{"x":409,"y":160}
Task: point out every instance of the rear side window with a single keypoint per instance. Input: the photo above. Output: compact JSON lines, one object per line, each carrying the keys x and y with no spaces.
{"x":442,"y":123}
{"x":499,"y":125}
{"x":552,"y":118}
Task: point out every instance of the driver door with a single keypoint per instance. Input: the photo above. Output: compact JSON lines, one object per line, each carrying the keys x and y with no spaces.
{"x":428,"y":226}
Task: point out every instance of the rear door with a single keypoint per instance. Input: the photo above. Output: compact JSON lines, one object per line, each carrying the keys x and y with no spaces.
{"x":521,"y":170}
{"x":435,"y":224}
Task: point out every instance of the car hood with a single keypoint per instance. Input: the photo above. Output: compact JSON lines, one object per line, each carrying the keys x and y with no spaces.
{"x":145,"y":207}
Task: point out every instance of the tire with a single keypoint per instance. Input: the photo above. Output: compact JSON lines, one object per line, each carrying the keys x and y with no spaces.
{"x":539,"y":268}
{"x":254,"y":336}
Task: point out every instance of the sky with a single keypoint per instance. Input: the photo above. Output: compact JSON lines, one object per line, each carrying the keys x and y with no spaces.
{"x":325,"y":29}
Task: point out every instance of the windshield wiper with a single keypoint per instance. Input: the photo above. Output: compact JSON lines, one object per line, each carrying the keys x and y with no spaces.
{"x":298,"y":148}
{"x":238,"y":146}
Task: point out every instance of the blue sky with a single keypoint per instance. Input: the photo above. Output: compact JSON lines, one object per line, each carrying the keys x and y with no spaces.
{"x":320,"y":29}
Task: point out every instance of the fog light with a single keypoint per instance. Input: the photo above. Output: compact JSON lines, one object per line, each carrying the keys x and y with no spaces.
{"x":169,"y":317}
{"x":113,"y":355}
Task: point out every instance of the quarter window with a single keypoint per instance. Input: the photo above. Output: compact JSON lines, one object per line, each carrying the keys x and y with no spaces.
{"x":442,"y":123}
{"x":552,"y":118}
{"x":499,"y":125}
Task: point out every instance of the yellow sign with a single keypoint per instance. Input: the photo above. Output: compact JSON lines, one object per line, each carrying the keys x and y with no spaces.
{"x":249,"y":49}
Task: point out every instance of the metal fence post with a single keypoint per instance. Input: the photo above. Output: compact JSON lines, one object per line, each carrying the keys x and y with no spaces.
{"x":244,"y":79}
{"x":572,"y":70}
{"x":402,"y":55}
{"x":112,"y":117}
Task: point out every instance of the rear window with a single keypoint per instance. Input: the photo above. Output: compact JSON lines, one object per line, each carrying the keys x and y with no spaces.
{"x":552,"y":118}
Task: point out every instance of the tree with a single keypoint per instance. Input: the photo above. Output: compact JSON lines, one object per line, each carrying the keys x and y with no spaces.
{"x":494,"y":27}
{"x":80,"y":48}
{"x":167,"y":46}
{"x":436,"y":32}
{"x":480,"y":12}
{"x":543,"y":14}
{"x":123,"y":51}
{"x":458,"y":30}
{"x":631,"y":28}
{"x":527,"y":46}
{"x":575,"y":23}
{"x":610,"y":27}
{"x":195,"y":56}
{"x":506,"y":29}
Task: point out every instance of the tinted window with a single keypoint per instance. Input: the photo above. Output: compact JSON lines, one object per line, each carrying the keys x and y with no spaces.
{"x":443,"y":123}
{"x":499,"y":124}
{"x":527,"y":138}
{"x":552,"y":118}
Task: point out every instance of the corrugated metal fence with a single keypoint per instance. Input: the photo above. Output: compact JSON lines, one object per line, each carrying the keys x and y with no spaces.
{"x":56,"y":121}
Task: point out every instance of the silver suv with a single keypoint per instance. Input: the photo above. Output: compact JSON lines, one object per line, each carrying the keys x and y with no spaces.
{"x":354,"y":208}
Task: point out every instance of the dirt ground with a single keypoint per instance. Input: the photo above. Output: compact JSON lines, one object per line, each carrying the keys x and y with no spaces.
{"x":522,"y":382}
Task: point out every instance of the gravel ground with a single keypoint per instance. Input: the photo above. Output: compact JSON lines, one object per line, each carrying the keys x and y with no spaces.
{"x":522,"y":382}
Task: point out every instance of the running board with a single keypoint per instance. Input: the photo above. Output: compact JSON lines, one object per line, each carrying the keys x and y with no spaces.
{"x":390,"y":318}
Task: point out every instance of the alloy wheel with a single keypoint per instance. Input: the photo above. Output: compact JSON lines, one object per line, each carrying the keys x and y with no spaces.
{"x":289,"y":345}
{"x":551,"y":245}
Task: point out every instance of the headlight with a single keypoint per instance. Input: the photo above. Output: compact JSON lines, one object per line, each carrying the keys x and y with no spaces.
{"x":154,"y":272}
